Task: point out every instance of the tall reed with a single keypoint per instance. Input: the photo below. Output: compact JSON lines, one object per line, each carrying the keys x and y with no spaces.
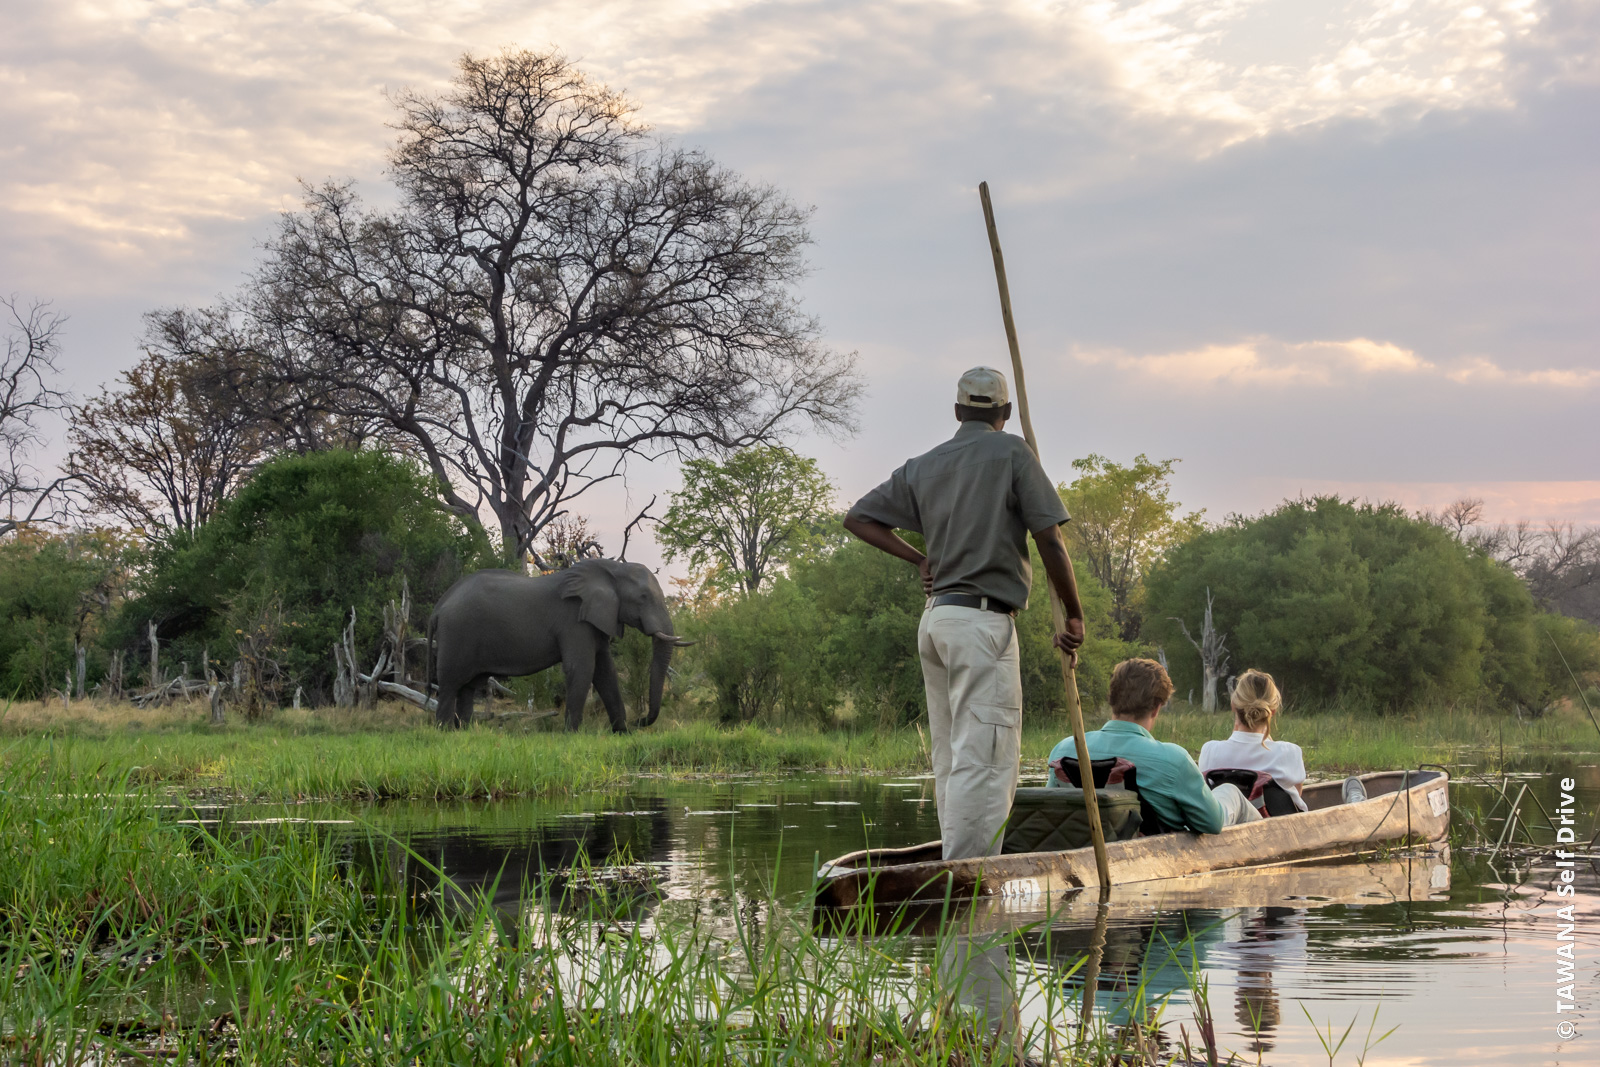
{"x":130,"y":934}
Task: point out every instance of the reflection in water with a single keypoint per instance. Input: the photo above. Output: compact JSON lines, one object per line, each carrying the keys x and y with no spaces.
{"x":1271,"y":937}
{"x":1453,"y":946}
{"x":978,"y":972}
{"x":624,"y":853}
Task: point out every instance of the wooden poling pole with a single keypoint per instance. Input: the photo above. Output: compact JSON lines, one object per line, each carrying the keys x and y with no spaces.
{"x":1058,"y":611}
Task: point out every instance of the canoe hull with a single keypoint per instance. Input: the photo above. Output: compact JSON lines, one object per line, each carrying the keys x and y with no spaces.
{"x":1404,"y":808}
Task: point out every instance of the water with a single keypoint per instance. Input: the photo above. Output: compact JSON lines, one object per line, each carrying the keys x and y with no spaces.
{"x":1458,"y":950}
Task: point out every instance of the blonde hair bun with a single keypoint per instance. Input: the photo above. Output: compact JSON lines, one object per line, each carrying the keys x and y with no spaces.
{"x":1256,"y":698}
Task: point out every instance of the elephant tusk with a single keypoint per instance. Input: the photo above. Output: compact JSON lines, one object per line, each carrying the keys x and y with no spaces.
{"x":678,"y":641}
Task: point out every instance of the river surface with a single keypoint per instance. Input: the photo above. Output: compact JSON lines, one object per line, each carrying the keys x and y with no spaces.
{"x":1458,"y":950}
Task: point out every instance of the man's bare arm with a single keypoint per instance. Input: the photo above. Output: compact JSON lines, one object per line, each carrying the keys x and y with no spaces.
{"x":1058,"y":567}
{"x":881,"y":536}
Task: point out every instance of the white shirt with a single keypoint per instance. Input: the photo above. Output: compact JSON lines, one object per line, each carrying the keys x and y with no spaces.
{"x":1244,"y":751}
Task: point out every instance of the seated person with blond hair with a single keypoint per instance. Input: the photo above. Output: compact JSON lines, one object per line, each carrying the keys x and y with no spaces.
{"x":1168,"y":779}
{"x":1256,"y":704}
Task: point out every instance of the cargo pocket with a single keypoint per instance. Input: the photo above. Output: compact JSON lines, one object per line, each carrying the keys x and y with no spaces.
{"x":998,"y":715}
{"x":1004,"y":688}
{"x":1002,"y":724}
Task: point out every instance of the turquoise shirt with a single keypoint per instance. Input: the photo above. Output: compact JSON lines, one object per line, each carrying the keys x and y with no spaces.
{"x":1168,"y":776}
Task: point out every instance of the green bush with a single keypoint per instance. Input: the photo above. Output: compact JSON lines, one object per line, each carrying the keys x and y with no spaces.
{"x":843,"y":626}
{"x":54,"y":594}
{"x":870,"y":604}
{"x":763,"y":655}
{"x":1568,"y":652}
{"x":1353,"y":602}
{"x":1042,"y":691}
{"x":305,"y":540}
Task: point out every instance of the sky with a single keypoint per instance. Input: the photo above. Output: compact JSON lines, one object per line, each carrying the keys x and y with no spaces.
{"x":1302,"y":246}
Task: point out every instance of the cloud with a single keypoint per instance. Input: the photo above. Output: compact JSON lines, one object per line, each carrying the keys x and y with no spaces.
{"x":1270,"y":362}
{"x":135,"y":124}
{"x":1264,"y":65}
{"x":1382,"y":210}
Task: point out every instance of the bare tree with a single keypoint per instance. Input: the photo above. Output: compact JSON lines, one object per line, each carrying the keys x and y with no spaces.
{"x":1460,"y":517}
{"x":1213,"y":650}
{"x":1560,"y":561}
{"x":1563,"y":574}
{"x":229,"y":360}
{"x":26,"y":395}
{"x":556,"y":296}
{"x":167,"y":446}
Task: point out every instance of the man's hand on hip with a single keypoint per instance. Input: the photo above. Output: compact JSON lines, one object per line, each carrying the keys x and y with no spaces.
{"x":925,"y":568}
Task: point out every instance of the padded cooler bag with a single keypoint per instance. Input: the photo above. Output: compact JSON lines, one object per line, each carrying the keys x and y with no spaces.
{"x":1053,"y":820}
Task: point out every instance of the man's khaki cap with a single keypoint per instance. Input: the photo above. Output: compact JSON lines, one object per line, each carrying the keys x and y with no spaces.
{"x":983,"y":387}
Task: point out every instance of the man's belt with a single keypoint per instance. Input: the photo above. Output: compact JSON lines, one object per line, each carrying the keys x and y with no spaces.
{"x":967,"y":600}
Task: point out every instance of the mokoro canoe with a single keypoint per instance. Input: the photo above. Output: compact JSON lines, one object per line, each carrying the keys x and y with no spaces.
{"x":1402,"y":808}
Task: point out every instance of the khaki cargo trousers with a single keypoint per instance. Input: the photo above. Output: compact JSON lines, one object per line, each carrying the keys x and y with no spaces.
{"x":973,"y":678}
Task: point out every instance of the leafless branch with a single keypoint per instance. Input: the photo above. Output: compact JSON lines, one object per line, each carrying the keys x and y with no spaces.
{"x":27,"y":395}
{"x":638,"y":520}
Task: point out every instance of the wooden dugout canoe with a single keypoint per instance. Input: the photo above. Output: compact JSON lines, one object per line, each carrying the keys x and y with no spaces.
{"x":1402,"y":808}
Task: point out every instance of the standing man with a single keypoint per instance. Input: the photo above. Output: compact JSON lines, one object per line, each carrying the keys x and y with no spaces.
{"x":974,"y":499}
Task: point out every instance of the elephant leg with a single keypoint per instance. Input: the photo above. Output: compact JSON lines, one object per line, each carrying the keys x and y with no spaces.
{"x":580,"y":675}
{"x":605,"y":683}
{"x":444,"y":712}
{"x":465,"y":693}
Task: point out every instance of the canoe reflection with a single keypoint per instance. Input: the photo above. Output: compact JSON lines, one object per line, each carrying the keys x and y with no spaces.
{"x":1123,"y":959}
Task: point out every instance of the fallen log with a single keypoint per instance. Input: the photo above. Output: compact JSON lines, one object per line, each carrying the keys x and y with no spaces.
{"x":404,"y":692}
{"x":168,"y":691}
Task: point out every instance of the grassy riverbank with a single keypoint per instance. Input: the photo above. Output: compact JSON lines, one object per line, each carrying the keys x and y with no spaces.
{"x":392,"y":752}
{"x":127,"y":935}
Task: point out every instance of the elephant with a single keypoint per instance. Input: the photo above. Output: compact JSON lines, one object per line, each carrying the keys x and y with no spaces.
{"x":502,"y":623}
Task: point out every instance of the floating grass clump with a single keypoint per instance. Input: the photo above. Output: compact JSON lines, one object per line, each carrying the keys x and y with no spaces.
{"x":125,"y":865}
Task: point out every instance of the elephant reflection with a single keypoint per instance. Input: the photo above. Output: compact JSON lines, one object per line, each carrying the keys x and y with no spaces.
{"x":501,"y":623}
{"x":563,"y":860}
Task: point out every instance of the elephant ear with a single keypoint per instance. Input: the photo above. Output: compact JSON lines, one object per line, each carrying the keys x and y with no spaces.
{"x":596,"y":593}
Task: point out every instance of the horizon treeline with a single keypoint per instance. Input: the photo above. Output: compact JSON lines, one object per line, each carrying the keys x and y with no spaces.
{"x":1345,"y":603}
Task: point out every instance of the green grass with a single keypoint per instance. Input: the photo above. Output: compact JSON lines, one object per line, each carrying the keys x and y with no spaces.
{"x":126,"y":937}
{"x":396,"y":754}
{"x":1337,"y":742}
{"x":118,"y":866}
{"x":277,"y":762}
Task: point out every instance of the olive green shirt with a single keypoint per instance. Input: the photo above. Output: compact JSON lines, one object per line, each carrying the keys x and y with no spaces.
{"x":974,"y":499}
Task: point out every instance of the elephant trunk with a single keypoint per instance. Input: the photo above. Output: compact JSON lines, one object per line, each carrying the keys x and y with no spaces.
{"x":660,"y":659}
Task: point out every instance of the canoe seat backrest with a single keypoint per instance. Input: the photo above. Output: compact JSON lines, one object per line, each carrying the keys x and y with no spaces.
{"x":1107,"y":772}
{"x":1268,"y":796}
{"x":1111,"y":773}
